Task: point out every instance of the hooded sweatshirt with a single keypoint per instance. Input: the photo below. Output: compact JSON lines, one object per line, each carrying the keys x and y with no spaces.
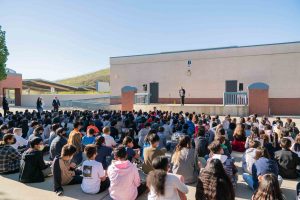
{"x":32,"y":164}
{"x":248,"y":160}
{"x":124,"y":180}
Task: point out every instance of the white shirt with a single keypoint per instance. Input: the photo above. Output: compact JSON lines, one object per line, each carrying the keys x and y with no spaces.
{"x":92,"y":172}
{"x":19,"y":142}
{"x":172,"y":184}
{"x":109,"y":141}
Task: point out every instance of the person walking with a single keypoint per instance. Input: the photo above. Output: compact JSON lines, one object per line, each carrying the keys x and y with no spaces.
{"x":5,"y":105}
{"x":182,"y":95}
{"x":55,"y":104}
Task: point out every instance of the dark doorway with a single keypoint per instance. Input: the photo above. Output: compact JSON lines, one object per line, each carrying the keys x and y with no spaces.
{"x":231,"y":86}
{"x":154,"y":89}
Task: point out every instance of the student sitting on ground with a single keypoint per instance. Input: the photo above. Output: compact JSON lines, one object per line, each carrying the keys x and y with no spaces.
{"x":53,"y":134}
{"x":248,"y":158}
{"x":152,"y":152}
{"x":109,"y":140}
{"x":65,"y":172}
{"x":33,"y":168}
{"x":21,"y":143}
{"x":9,"y":156}
{"x":102,"y":151}
{"x":222,"y":140}
{"x":253,"y":136}
{"x":162,"y":138}
{"x":216,"y":152}
{"x":296,"y":146}
{"x":58,"y":142}
{"x":37,"y":132}
{"x":265,"y":142}
{"x":213,"y":183}
{"x":89,"y":138}
{"x":75,"y":140}
{"x":184,"y":161}
{"x":131,"y":153}
{"x":268,"y":189}
{"x":201,"y":142}
{"x":143,"y":133}
{"x":263,"y":165}
{"x":164,"y":185}
{"x":92,"y":126}
{"x":287,"y":160}
{"x":94,"y":177}
{"x":3,"y":131}
{"x":239,"y":138}
{"x":124,"y":177}
{"x":226,"y":144}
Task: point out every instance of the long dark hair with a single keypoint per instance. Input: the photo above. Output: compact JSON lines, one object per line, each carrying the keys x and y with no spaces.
{"x":157,"y":177}
{"x":214,"y":184}
{"x":268,"y":189}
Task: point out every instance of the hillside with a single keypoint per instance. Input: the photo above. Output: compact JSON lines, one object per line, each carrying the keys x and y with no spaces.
{"x":87,"y":79}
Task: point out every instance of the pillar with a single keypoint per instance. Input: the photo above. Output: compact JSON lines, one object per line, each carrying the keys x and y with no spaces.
{"x":127,"y":98}
{"x":258,"y":98}
{"x":18,"y":97}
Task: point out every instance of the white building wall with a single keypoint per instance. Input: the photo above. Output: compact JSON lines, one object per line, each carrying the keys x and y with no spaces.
{"x":277,"y":65}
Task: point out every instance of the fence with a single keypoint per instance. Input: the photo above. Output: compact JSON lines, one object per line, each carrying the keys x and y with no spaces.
{"x":235,"y":98}
{"x":142,"y":98}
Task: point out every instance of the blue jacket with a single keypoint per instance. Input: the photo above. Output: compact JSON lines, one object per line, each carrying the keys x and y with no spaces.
{"x":191,"y":129}
{"x":261,"y":167}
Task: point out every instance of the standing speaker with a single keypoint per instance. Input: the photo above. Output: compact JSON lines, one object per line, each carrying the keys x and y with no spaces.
{"x":154,"y":91}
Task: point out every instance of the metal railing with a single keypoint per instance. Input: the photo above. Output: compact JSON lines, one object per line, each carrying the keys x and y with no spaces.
{"x":142,"y":98}
{"x":235,"y":98}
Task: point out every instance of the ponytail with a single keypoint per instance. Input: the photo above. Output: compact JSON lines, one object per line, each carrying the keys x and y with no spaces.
{"x":156,"y":179}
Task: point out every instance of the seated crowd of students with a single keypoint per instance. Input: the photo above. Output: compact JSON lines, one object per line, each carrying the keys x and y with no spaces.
{"x":114,"y":150}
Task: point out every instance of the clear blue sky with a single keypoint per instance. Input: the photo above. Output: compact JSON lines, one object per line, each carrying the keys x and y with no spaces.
{"x":62,"y":38}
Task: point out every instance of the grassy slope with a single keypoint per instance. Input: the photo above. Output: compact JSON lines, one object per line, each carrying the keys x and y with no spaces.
{"x":87,"y":79}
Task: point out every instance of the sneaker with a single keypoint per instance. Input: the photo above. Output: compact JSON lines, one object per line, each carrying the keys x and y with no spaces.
{"x":60,"y":193}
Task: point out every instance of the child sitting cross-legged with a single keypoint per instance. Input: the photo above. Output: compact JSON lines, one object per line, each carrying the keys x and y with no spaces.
{"x":94,"y":177}
{"x":217,"y":152}
{"x":89,"y":138}
{"x":131,"y":153}
{"x":152,"y":152}
{"x":65,"y":172}
{"x":109,"y":140}
{"x":124,"y":177}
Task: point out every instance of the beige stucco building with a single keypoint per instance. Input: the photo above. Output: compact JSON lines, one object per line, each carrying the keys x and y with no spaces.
{"x":204,"y":79}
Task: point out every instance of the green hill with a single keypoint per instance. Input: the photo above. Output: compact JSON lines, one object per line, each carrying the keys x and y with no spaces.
{"x":87,"y":79}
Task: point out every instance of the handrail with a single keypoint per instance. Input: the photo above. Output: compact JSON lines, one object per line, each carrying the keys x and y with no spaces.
{"x":235,"y":98}
{"x":142,"y":98}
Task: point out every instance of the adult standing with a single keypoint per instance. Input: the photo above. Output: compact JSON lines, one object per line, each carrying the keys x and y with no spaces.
{"x":5,"y":105}
{"x":182,"y":95}
{"x":39,"y":104}
{"x":55,"y":104}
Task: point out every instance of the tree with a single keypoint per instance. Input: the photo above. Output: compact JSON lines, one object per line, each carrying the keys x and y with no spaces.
{"x":3,"y":55}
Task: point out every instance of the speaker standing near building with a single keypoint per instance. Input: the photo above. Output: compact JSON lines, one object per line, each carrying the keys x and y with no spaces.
{"x":182,"y":95}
